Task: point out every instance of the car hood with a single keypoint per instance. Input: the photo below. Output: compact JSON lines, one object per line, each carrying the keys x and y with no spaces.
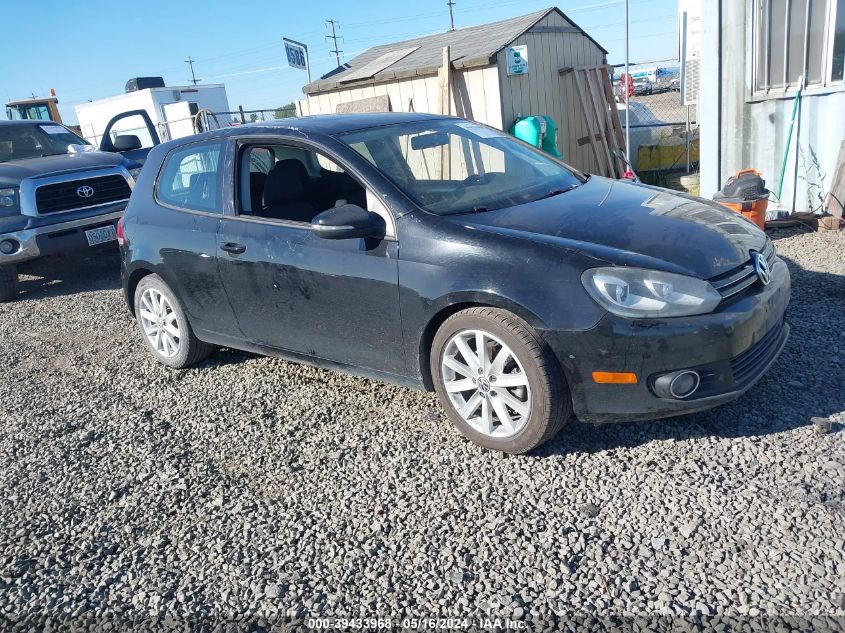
{"x":12,"y":173}
{"x":631,"y":224}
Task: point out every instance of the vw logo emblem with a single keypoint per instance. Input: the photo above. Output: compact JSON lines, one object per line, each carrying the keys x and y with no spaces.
{"x":85,"y":191}
{"x":761,"y":267}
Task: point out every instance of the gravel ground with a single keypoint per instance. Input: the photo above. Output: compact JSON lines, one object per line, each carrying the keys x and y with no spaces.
{"x":253,"y":489}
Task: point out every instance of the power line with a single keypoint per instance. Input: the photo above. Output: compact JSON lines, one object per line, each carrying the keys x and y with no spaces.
{"x":334,"y":38}
{"x":450,"y":4}
{"x":194,"y":79}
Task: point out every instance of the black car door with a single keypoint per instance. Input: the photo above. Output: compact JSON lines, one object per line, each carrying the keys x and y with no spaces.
{"x":188,"y":207}
{"x":335,"y":299}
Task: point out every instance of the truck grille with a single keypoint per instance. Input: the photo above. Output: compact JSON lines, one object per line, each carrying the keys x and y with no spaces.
{"x":63,"y":196}
{"x":742,"y":278}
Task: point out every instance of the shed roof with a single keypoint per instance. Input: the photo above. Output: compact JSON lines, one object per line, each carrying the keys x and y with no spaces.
{"x":469,"y":47}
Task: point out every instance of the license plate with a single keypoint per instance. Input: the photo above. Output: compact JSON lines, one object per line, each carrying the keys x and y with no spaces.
{"x":101,"y":235}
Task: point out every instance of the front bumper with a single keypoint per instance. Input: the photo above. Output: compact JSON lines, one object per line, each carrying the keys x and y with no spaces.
{"x":731,"y":349}
{"x":41,"y":239}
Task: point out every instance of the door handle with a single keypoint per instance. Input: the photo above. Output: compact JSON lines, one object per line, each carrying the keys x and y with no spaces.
{"x":233,"y":248}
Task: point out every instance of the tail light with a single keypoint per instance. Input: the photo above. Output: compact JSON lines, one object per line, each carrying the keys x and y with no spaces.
{"x":629,"y":175}
{"x":121,"y":236}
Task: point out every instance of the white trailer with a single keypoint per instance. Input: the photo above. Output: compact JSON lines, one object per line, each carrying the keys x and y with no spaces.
{"x":170,"y":109}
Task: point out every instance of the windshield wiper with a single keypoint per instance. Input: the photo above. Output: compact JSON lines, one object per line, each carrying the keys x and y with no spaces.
{"x":556,"y":192}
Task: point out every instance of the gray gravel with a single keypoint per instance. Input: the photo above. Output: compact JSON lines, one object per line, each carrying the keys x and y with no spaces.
{"x":254,"y":489}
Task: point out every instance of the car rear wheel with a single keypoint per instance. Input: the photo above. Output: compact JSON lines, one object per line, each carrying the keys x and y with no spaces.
{"x":497,"y":381}
{"x":8,"y":283}
{"x":164,"y":327}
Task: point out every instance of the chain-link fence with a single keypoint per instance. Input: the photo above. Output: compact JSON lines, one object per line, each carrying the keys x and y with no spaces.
{"x":663,"y":132}
{"x":205,"y":120}
{"x":200,"y":121}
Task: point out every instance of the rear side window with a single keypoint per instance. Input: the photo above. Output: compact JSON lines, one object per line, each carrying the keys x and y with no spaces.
{"x":191,"y":178}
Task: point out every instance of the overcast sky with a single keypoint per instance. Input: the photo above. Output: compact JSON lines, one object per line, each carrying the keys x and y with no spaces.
{"x":87,"y":50}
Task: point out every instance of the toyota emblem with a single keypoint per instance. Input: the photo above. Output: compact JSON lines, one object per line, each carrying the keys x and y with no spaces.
{"x":85,"y":191}
{"x":761,"y":267}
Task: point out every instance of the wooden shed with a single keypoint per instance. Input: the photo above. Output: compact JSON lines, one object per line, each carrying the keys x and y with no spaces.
{"x":481,"y":84}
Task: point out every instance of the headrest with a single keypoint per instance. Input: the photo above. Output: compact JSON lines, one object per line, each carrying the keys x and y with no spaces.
{"x":285,"y":182}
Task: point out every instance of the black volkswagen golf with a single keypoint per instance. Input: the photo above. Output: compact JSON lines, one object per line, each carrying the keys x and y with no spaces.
{"x":441,"y":254}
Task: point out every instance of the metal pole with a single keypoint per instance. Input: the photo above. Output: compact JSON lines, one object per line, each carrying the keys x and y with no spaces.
{"x":801,"y":85}
{"x":451,"y":4}
{"x":688,"y":140}
{"x":627,"y":79}
{"x":308,"y":62}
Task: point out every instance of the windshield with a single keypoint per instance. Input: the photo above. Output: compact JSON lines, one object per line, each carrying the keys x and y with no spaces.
{"x":32,"y":141}
{"x":454,"y":166}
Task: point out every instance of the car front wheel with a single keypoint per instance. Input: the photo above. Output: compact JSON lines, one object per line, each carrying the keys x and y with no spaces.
{"x":497,"y":381}
{"x":164,"y":327}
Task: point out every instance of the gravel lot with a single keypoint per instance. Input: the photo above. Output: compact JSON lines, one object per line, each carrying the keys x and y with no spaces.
{"x":252,"y":489}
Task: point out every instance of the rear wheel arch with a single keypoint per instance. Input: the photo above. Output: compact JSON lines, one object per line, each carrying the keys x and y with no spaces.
{"x":455,"y":305}
{"x":135,"y":278}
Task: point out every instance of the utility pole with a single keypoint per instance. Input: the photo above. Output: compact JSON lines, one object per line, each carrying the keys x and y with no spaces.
{"x":194,"y":79}
{"x":334,"y":37}
{"x":450,"y":4}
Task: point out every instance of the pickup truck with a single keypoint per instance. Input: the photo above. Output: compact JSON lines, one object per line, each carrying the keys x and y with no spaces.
{"x":57,"y":193}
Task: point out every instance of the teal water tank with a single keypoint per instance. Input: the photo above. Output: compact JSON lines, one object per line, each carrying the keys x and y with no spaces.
{"x":539,"y":131}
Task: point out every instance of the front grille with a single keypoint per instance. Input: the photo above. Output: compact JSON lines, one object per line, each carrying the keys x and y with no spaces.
{"x":742,"y":278}
{"x":63,"y":196}
{"x":748,"y":365}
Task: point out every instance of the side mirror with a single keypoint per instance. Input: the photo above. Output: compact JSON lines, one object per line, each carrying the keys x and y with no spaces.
{"x":347,"y":221}
{"x":126,"y":143}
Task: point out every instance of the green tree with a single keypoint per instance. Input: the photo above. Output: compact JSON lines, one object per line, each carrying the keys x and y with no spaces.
{"x":285,"y":111}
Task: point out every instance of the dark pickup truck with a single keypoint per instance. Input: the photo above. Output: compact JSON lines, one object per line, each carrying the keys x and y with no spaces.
{"x":56,"y":196}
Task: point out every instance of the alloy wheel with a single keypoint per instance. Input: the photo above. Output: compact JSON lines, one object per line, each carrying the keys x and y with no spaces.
{"x":159,"y":323}
{"x":486,"y":383}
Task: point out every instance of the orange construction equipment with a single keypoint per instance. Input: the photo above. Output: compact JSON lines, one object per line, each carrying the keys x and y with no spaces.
{"x":746,"y":193}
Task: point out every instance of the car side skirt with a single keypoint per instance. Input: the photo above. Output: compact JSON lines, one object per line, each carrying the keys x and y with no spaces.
{"x":296,"y":357}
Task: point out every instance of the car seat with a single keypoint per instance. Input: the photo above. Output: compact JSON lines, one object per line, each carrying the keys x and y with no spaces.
{"x":285,"y":196}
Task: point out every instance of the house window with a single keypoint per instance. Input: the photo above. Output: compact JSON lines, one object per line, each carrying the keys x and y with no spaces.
{"x":784,"y":30}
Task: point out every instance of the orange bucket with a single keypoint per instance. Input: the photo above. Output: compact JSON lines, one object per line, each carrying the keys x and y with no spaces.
{"x":754,"y":210}
{"x":746,"y":193}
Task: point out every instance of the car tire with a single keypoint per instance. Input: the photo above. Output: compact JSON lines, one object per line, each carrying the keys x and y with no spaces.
{"x":8,"y":283}
{"x":513,"y":419}
{"x":164,"y":327}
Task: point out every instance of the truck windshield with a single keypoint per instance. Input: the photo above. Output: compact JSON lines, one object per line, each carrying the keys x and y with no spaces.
{"x":18,"y":142}
{"x":453,"y":166}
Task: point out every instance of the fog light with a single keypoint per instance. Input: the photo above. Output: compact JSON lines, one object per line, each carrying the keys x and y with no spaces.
{"x":677,"y":385}
{"x":7,"y":247}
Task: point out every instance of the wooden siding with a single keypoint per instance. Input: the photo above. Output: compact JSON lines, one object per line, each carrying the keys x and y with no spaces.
{"x":489,"y":96}
{"x":475,"y":95}
{"x":544,"y":91}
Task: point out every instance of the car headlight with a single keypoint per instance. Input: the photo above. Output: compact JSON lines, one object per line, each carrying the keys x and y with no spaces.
{"x":9,"y":204}
{"x":647,"y":294}
{"x":135,"y":172}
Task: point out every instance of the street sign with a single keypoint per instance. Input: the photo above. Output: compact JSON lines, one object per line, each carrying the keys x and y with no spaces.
{"x":296,"y":54}
{"x":517,"y":57}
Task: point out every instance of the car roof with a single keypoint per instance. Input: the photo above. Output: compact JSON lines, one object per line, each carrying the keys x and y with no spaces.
{"x":328,"y":124}
{"x":23,"y":122}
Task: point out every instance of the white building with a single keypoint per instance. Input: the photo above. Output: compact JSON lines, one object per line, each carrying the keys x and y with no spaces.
{"x":171,"y":110}
{"x":760,"y":51}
